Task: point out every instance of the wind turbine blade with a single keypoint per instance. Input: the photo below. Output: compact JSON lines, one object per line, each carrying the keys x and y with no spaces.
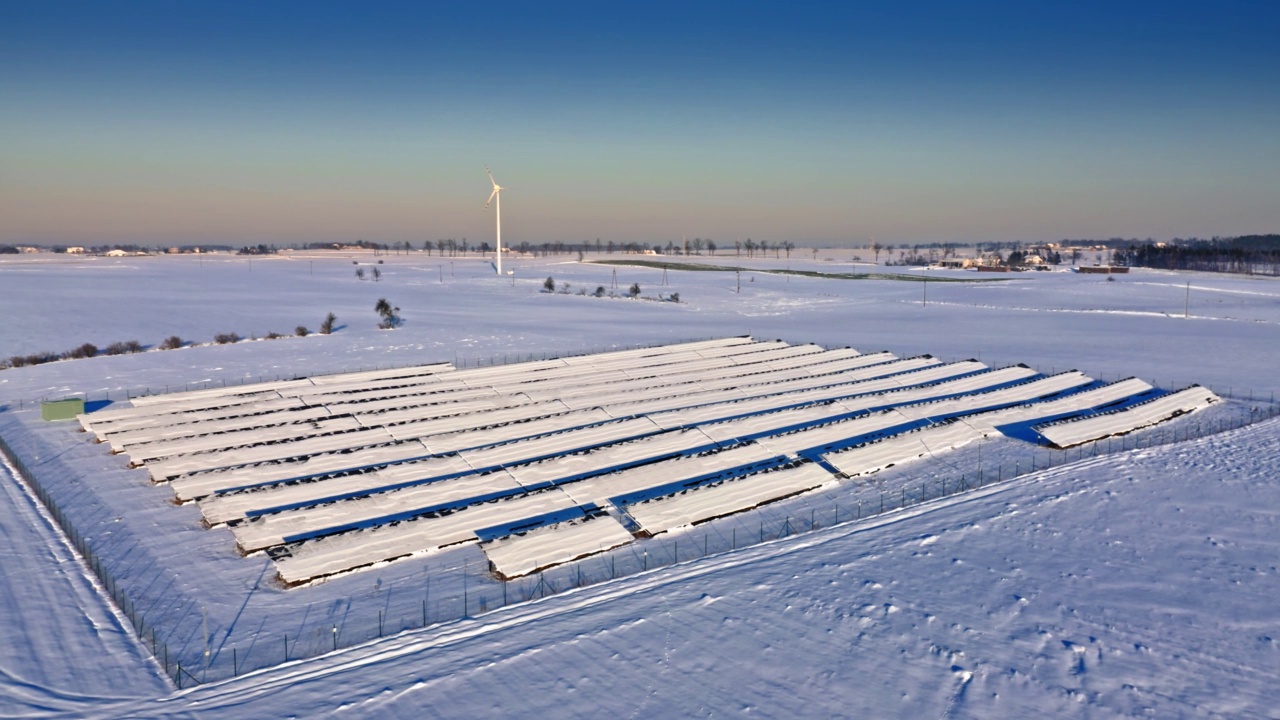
{"x":491,"y":197}
{"x":491,"y":180}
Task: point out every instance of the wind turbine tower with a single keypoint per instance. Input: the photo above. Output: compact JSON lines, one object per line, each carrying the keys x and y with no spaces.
{"x":496,"y":199}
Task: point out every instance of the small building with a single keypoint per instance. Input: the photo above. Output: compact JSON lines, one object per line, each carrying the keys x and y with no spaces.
{"x":114,"y":253}
{"x":77,"y":250}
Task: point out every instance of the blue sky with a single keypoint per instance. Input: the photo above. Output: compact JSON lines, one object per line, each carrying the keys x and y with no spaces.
{"x":177,"y":122}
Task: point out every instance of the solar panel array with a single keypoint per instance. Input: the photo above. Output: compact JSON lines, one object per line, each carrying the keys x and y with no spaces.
{"x":546,"y":462}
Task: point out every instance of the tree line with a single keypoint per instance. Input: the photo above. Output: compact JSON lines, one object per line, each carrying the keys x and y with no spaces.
{"x":1247,"y":255}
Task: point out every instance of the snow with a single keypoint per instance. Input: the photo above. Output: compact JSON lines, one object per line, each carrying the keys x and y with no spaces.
{"x":1134,"y":583}
{"x":1068,"y":433}
{"x":725,"y":498}
{"x":518,"y":555}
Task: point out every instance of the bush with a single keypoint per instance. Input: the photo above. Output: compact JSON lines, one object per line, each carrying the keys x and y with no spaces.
{"x":300,"y":331}
{"x":273,"y":336}
{"x":549,"y":285}
{"x":86,"y":350}
{"x":173,"y":342}
{"x":635,"y":290}
{"x":326,"y":327}
{"x":360,"y":273}
{"x":599,"y":291}
{"x":390,"y":315}
{"x":123,"y":348}
{"x":675,"y":297}
{"x":226,"y":338}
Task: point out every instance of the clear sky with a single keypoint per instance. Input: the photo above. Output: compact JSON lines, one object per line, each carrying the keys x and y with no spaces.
{"x":174,"y":122}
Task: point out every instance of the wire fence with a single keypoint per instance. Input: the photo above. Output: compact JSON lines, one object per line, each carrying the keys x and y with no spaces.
{"x":464,"y":586}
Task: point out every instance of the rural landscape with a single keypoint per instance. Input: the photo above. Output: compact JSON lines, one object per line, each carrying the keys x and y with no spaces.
{"x":769,"y":390}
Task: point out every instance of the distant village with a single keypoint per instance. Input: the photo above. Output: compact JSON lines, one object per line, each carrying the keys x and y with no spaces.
{"x":1250,"y":254}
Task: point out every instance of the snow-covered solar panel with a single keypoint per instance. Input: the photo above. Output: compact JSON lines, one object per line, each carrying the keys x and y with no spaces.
{"x":319,"y":520}
{"x":863,"y":428}
{"x":673,"y":474}
{"x":464,"y":422}
{"x":423,"y":413}
{"x":138,"y":422}
{"x":210,"y":397}
{"x":542,"y":447}
{"x":273,"y":498}
{"x":778,"y":354}
{"x":726,"y":498}
{"x":284,"y":416}
{"x":388,"y":374}
{"x":754,"y":346}
{"x":565,"y":468}
{"x":897,"y":449}
{"x":148,"y":451}
{"x":1020,"y":393}
{"x":1075,"y":402}
{"x":183,"y":464}
{"x":338,"y":553}
{"x":484,"y":437}
{"x":195,"y":486}
{"x":515,"y":556}
{"x":1119,"y":422}
{"x":418,"y":401}
{"x":113,"y":415}
{"x":696,"y":346}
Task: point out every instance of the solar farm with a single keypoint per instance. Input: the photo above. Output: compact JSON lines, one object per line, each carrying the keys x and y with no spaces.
{"x":544,"y":463}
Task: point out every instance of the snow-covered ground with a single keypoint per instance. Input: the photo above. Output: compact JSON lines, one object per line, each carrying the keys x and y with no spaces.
{"x":1131,"y":584}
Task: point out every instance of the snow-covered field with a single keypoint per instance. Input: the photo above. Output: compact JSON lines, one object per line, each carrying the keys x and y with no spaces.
{"x":1129,"y":584}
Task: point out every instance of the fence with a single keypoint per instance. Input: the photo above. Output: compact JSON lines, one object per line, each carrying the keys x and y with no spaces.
{"x":469,"y":589}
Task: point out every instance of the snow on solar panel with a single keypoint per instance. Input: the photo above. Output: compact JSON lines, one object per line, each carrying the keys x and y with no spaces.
{"x":1069,"y":433}
{"x":215,"y":460}
{"x":726,"y":498}
{"x":1075,"y":402}
{"x":539,"y":448}
{"x":483,"y":437}
{"x":569,"y":469}
{"x":518,"y":555}
{"x":1020,"y":393}
{"x":114,"y":415}
{"x":119,"y":440}
{"x":897,"y":449}
{"x":196,"y":486}
{"x":160,"y":448}
{"x":274,"y":498}
{"x":337,"y":553}
{"x":327,"y":519}
{"x":673,"y":474}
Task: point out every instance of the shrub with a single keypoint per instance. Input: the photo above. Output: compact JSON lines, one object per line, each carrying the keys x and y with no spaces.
{"x":300,"y":331}
{"x":326,"y":327}
{"x":360,"y":273}
{"x":173,"y":342}
{"x":33,"y":359}
{"x":599,"y":291}
{"x":390,"y":315}
{"x":274,"y":336}
{"x":635,"y":290}
{"x":86,"y":350}
{"x":549,"y":285}
{"x":226,"y":338}
{"x":122,"y":348}
{"x":675,"y":297}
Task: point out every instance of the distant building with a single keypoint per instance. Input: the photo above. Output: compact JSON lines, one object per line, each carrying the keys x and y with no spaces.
{"x":114,"y":253}
{"x":75,"y":250}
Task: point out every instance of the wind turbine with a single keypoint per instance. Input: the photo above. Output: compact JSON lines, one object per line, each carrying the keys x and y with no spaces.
{"x":496,"y":199}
